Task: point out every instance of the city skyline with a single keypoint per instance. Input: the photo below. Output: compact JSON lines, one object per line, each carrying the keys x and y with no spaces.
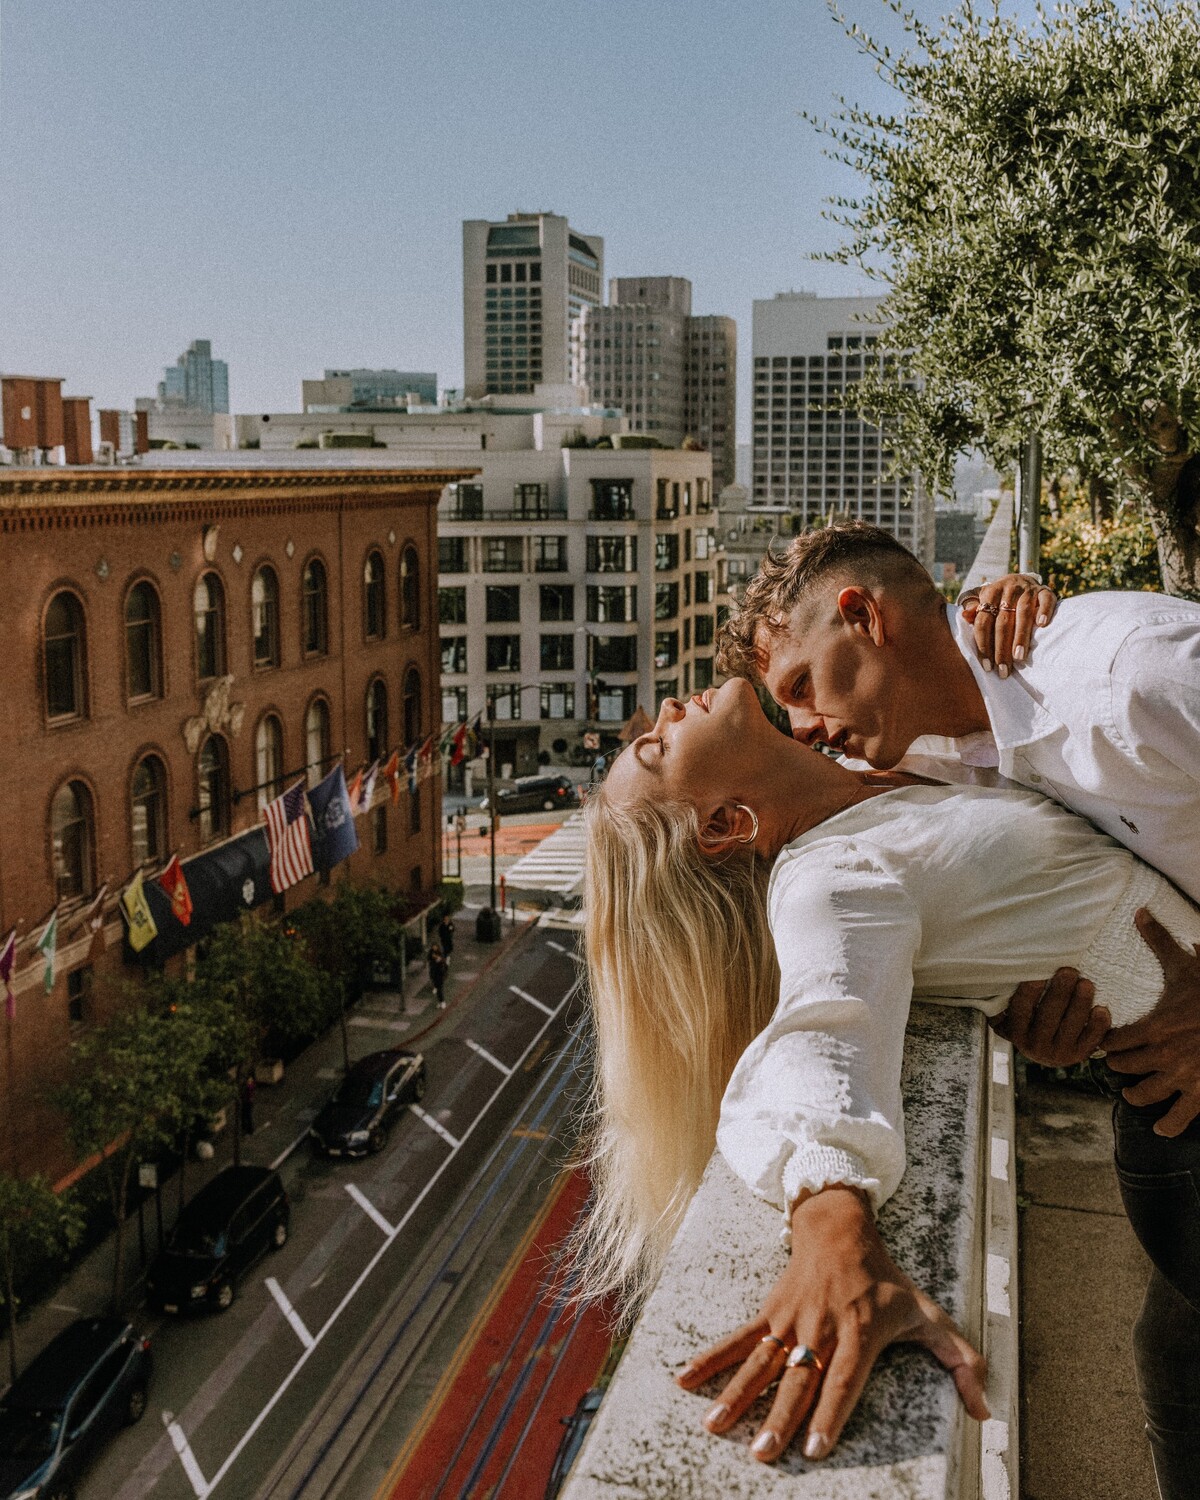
{"x":305,"y":209}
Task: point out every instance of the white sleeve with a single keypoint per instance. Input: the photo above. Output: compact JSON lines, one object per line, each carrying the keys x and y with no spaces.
{"x":815,"y":1098}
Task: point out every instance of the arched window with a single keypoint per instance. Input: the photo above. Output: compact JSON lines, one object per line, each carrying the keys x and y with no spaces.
{"x":268,"y":759}
{"x":143,"y":654}
{"x":64,"y":647}
{"x":374,"y":603}
{"x":208,"y":602}
{"x":315,"y":605}
{"x":412,"y":707}
{"x":72,"y":840}
{"x":212,"y":787}
{"x":377,"y":720}
{"x":410,"y":590}
{"x":148,"y":811}
{"x":316,"y":739}
{"x":264,"y":609}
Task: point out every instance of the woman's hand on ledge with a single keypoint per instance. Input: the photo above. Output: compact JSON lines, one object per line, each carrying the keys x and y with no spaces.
{"x":844,"y":1297}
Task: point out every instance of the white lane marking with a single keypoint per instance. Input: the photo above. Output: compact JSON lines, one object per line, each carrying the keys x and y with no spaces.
{"x":545,"y":1009}
{"x":289,"y":1312}
{"x":287,"y":1150}
{"x":285,"y":1384}
{"x":487,"y":1057}
{"x":550,"y":943}
{"x":369,"y":1208}
{"x":999,"y":1158}
{"x":186,"y":1457}
{"x":435,"y":1125}
{"x":1000,"y":1068}
{"x":998,"y":1273}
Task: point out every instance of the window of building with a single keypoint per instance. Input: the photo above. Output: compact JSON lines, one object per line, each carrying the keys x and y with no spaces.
{"x":452,"y":554}
{"x":666,"y":601}
{"x":612,"y":554}
{"x":610,"y":603}
{"x":410,"y":590}
{"x":615,"y":704}
{"x":666,"y":648}
{"x":377,"y":720}
{"x":531,"y":501}
{"x":614,"y":653}
{"x":666,"y":552}
{"x":502,"y":554}
{"x":503,"y":653}
{"x":558,"y":700}
{"x":315,"y":608}
{"x":612,"y":500}
{"x":72,"y":838}
{"x":454,"y":653}
{"x":268,"y":759}
{"x":209,"y":607}
{"x":506,"y":702}
{"x":704,"y":589}
{"x":549,"y":554}
{"x":212,"y":788}
{"x":264,"y":609}
{"x":666,"y":687}
{"x":704,"y":630}
{"x":502,"y":603}
{"x":374,"y":601}
{"x":379,"y":828}
{"x":148,"y":812}
{"x":452,"y":606}
{"x":556,"y":601}
{"x":558,"y":653}
{"x":316,"y":740}
{"x":466,"y":502}
{"x":454,"y":705}
{"x":411,"y":707}
{"x":143,"y":657}
{"x":667,"y":500}
{"x":64,"y":654}
{"x":704,"y":673}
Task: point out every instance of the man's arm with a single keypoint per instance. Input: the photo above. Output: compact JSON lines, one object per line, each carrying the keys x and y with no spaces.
{"x":1054,"y":1022}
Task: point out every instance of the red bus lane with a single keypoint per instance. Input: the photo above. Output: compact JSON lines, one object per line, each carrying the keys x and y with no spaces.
{"x":493,"y":1425}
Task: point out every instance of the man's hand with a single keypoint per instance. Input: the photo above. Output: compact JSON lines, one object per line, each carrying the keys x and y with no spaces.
{"x":843,"y":1296}
{"x":1166,"y":1043}
{"x":1004,"y":614}
{"x":1053,"y":1022}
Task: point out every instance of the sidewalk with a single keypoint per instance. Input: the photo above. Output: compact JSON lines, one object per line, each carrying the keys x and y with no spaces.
{"x":283,"y":1113}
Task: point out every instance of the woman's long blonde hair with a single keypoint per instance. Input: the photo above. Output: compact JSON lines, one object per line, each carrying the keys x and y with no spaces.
{"x":682,"y":975}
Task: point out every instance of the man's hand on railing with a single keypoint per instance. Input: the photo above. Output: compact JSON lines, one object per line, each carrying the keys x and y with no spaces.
{"x":1004,"y":614}
{"x":844,"y":1300}
{"x":1053,"y":1022}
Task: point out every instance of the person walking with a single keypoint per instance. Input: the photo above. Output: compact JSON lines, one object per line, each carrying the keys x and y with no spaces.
{"x":438,"y":968}
{"x":445,"y":935}
{"x":246,"y":1101}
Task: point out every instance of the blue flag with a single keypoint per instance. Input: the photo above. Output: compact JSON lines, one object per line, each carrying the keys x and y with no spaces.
{"x":337,"y":838}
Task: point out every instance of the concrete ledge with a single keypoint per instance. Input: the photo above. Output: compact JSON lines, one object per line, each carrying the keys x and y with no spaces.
{"x":951,"y":1226}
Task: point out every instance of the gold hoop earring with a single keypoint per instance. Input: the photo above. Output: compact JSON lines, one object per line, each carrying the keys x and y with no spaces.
{"x":753,"y":834}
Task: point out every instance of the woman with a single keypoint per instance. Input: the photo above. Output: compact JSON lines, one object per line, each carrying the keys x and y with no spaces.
{"x":786,"y":990}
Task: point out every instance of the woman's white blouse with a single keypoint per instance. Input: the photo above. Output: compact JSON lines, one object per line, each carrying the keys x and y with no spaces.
{"x":954,"y":893}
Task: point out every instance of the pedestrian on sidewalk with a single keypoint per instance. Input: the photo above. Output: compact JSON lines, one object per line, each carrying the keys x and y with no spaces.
{"x":445,"y":935}
{"x":438,"y":968}
{"x":249,"y":1088}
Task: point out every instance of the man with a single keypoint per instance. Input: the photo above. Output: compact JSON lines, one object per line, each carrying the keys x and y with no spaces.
{"x":1102,"y":713}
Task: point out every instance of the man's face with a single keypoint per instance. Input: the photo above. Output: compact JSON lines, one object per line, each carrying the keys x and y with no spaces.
{"x":833,"y":669}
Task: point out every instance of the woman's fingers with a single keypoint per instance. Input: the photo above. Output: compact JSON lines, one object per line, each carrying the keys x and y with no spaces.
{"x":962,"y":1359}
{"x":730,"y":1350}
{"x":797,"y":1391}
{"x":841,"y":1386}
{"x":760,"y":1367}
{"x":1047,"y":603}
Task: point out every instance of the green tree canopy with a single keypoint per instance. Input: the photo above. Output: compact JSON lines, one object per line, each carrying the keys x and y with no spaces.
{"x":36,"y":1224}
{"x":1033,"y":211}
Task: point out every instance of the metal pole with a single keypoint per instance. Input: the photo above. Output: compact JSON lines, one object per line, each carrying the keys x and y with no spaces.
{"x":1029,"y":517}
{"x":491,"y":778}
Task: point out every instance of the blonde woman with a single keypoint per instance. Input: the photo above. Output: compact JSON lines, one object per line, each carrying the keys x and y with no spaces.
{"x":759,"y":918}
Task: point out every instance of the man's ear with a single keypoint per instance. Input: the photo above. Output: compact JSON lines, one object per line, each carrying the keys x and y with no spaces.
{"x":859,"y":608}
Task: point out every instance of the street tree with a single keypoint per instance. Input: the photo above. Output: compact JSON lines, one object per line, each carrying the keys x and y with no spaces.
{"x":1032,"y":210}
{"x":36,"y":1225}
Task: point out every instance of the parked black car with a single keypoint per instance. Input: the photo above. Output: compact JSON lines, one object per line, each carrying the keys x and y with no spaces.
{"x":356,"y":1120}
{"x":85,"y":1384}
{"x":577,"y":1425}
{"x":528,"y":793}
{"x":238,"y":1216}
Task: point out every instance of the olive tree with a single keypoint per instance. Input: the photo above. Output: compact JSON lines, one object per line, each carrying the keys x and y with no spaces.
{"x":1032,"y":210}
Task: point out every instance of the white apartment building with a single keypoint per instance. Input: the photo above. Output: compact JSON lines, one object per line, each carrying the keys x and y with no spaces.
{"x":821,"y":463}
{"x":526,"y":280}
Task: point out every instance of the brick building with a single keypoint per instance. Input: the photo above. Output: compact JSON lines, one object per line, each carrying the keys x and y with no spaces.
{"x":178,"y":647}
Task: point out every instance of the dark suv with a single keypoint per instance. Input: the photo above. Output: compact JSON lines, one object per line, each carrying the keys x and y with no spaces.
{"x":85,"y":1384}
{"x":238,"y":1216}
{"x":528,"y":793}
{"x":356,"y":1120}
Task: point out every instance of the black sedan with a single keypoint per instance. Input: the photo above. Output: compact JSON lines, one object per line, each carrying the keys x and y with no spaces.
{"x":356,"y":1120}
{"x":528,"y":793}
{"x":84,"y":1385}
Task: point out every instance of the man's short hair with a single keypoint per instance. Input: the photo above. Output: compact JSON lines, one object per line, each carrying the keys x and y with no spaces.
{"x":866,"y":554}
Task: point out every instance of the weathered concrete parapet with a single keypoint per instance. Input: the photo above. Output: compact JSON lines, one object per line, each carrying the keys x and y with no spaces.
{"x":951,"y":1226}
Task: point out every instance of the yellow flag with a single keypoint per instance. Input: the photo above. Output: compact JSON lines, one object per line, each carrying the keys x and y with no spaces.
{"x":137,"y":913}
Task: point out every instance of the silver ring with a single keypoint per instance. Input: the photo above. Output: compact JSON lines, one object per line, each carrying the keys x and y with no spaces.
{"x":804,"y":1357}
{"x":770,"y":1338}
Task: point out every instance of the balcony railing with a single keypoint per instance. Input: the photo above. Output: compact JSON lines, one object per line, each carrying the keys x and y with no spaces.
{"x":507,"y":513}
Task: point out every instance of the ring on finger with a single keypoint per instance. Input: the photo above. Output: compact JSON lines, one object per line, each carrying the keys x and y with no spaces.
{"x":803,"y":1356}
{"x":1008,"y":609}
{"x":781,"y":1344}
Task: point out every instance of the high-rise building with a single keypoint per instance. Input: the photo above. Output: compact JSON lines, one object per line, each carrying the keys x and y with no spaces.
{"x":368,"y":388}
{"x":672,"y":374}
{"x":196,"y":381}
{"x":526,"y":280}
{"x":810,"y":454}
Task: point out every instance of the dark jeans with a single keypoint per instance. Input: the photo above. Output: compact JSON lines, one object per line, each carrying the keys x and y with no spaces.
{"x":1160,"y":1186}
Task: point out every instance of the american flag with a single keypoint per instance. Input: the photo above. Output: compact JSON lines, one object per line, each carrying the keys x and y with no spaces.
{"x":287,"y":838}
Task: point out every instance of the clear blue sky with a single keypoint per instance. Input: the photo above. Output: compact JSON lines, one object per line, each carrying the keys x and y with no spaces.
{"x":289,"y":177}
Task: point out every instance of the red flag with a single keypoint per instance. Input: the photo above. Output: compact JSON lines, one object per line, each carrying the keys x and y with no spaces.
{"x":458,"y":745}
{"x":174,"y":882}
{"x":392,"y":772}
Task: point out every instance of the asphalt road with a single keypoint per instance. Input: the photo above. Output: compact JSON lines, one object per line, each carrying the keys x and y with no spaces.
{"x":256,"y":1401}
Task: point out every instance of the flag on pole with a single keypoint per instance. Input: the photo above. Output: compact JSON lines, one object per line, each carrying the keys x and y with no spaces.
{"x":8,"y":960}
{"x":47,"y":946}
{"x":142,"y":927}
{"x":354,"y":792}
{"x":288,"y":838}
{"x":392,"y":772}
{"x":332,"y":819}
{"x":410,"y":766}
{"x":368,"y":788}
{"x":458,"y":745}
{"x":174,"y":882}
{"x":94,"y":920}
{"x":425,"y":760}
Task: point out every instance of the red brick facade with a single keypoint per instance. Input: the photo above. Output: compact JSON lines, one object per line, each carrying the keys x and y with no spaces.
{"x":87,"y":538}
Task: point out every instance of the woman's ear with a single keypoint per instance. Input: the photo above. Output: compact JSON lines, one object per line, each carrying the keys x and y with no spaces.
{"x":726,"y":825}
